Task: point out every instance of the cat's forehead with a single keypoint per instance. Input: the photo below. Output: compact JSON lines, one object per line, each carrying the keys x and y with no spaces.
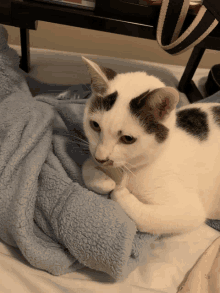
{"x":124,"y":88}
{"x":132,"y":84}
{"x":118,"y":122}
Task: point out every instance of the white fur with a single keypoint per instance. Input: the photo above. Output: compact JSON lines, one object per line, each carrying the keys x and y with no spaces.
{"x":172,"y":187}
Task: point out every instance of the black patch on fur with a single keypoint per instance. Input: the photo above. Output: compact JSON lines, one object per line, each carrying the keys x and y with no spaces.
{"x":103,"y":103}
{"x":109,"y":101}
{"x":216,"y":114}
{"x":139,"y":101}
{"x":96,"y":105}
{"x":142,"y":111}
{"x":194,"y":122}
{"x":110,"y":74}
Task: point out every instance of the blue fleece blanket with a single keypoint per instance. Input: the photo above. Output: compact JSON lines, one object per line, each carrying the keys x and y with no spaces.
{"x":45,"y":209}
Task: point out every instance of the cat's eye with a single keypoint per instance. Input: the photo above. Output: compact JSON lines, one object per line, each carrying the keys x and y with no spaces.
{"x":95,"y":126}
{"x":126,"y":139}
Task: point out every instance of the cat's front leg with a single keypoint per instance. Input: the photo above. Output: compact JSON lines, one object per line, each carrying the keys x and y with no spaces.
{"x":120,"y":195}
{"x":125,"y":198}
{"x":161,"y":219}
{"x":95,"y":179}
{"x":127,"y":201}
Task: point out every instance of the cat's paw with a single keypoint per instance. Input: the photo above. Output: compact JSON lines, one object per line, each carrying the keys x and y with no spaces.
{"x":119,"y":194}
{"x":103,"y":186}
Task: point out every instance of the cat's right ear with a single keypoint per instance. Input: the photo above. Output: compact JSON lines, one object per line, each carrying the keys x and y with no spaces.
{"x":100,"y":76}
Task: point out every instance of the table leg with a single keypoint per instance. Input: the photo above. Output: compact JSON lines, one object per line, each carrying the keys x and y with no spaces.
{"x":25,"y":50}
{"x":186,"y":84}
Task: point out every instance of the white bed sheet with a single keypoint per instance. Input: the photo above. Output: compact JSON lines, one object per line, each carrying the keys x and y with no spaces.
{"x":162,"y":273}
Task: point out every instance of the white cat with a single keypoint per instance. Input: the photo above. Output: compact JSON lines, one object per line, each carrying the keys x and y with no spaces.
{"x":161,"y":166}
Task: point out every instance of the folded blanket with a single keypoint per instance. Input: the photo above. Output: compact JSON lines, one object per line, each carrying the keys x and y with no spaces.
{"x":45,"y":209}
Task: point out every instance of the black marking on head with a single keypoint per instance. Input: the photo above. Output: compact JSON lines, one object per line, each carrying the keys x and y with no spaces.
{"x":119,"y":133}
{"x":140,"y":108}
{"x":194,"y":122}
{"x":139,"y":101}
{"x":109,"y":101}
{"x":109,"y":73}
{"x":103,"y":103}
{"x":216,"y":114}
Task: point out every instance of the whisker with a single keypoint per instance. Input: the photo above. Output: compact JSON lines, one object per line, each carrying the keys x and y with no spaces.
{"x":124,"y":170}
{"x":129,"y":170}
{"x":81,"y":143}
{"x":76,"y":147}
{"x":120,"y":170}
{"x":130,"y":164}
{"x":84,"y":141}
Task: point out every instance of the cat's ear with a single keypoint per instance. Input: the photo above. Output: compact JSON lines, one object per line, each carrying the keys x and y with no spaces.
{"x":100,"y":76}
{"x":162,"y":102}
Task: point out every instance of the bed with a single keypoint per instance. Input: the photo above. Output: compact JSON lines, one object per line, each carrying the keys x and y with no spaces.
{"x":186,"y":263}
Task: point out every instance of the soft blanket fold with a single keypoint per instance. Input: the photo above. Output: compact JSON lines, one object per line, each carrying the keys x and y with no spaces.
{"x":45,"y":210}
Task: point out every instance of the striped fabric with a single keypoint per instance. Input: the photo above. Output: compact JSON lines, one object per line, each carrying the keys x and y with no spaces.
{"x":171,"y":19}
{"x":193,"y":3}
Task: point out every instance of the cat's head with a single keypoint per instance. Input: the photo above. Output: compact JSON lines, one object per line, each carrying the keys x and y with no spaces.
{"x":128,"y":117}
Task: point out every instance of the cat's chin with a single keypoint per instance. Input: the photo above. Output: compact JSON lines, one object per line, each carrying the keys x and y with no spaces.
{"x":121,"y":166}
{"x":113,"y":166}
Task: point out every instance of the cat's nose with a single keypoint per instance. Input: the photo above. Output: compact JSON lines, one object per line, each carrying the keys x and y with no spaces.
{"x":107,"y":162}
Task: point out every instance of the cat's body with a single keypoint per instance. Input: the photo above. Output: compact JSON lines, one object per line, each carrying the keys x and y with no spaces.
{"x":174,"y":158}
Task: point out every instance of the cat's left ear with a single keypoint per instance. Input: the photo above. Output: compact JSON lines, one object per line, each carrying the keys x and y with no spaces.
{"x":100,"y":76}
{"x":163,"y":101}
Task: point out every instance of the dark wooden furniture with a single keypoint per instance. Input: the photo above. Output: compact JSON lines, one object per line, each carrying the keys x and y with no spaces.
{"x":109,"y":16}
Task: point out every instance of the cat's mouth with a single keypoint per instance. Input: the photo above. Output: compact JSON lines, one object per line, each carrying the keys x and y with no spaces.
{"x":107,"y":164}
